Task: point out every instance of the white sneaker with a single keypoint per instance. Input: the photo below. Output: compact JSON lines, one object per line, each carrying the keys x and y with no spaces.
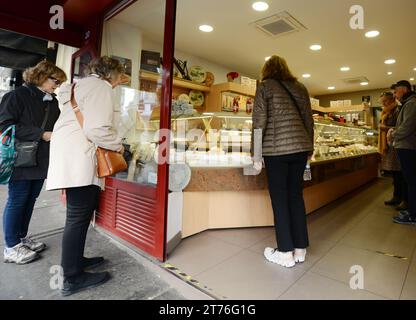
{"x":19,"y":254}
{"x":284,"y":259}
{"x":33,"y":245}
{"x":299,"y":255}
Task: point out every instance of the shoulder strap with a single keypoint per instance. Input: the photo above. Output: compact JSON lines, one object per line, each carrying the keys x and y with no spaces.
{"x":295,"y":103}
{"x":45,"y":119}
{"x":75,"y":107}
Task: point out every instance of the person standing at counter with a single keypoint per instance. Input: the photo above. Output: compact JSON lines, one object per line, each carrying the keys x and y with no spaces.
{"x":389,"y":160}
{"x":73,"y":164}
{"x":404,"y":140}
{"x":283,"y":113}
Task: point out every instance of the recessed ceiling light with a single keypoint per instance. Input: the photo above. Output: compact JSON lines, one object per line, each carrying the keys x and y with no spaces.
{"x":306,"y":75}
{"x":414,"y":69}
{"x":412,"y":79}
{"x":331,"y":88}
{"x":260,"y":6}
{"x":315,"y":47}
{"x":390,"y":61}
{"x":364,"y":83}
{"x":389,"y":73}
{"x":345,"y":69}
{"x":267,"y":58}
{"x":206,"y":28}
{"x":372,"y":34}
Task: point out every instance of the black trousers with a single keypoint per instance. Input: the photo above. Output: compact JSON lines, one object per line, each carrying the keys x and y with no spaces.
{"x":81,"y":204}
{"x":285,"y":178}
{"x":408,"y":163}
{"x":398,"y":185}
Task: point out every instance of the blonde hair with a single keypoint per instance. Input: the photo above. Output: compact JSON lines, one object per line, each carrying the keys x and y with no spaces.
{"x":38,"y":74}
{"x":276,"y":68}
{"x":106,"y":68}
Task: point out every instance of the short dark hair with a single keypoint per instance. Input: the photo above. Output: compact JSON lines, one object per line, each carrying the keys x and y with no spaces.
{"x":404,"y":83}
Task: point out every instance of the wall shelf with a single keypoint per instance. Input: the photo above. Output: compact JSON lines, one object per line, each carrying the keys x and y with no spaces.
{"x":177,"y":82}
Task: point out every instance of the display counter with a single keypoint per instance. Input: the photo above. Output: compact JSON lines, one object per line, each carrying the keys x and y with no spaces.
{"x":218,"y":198}
{"x":219,"y":191}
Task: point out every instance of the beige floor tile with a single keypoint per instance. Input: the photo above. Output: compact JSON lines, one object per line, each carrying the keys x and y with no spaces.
{"x":331,"y":232}
{"x":383,"y":275}
{"x":378,"y":233}
{"x":243,"y":238}
{"x":316,"y":287}
{"x":201,"y":252}
{"x":248,"y":276}
{"x":409,"y":288}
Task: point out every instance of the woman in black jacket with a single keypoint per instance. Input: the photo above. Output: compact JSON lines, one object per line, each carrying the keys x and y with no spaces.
{"x":33,"y":109}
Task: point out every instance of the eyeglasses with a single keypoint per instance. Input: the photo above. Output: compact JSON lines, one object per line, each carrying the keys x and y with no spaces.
{"x":387,"y":94}
{"x":56,"y":81}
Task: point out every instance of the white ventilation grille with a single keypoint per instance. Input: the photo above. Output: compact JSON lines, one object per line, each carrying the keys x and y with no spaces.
{"x":280,"y":24}
{"x":356,"y":80}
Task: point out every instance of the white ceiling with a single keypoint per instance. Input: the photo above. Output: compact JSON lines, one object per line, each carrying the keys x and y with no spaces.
{"x":240,"y":46}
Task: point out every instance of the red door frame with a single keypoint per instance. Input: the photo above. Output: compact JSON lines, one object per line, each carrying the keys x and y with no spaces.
{"x":165,"y":114}
{"x":159,"y":251}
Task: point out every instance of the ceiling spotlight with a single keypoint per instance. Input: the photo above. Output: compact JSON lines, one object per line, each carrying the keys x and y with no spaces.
{"x":260,"y":6}
{"x":206,"y":28}
{"x":306,"y":75}
{"x":390,"y":61}
{"x":414,"y":69}
{"x":344,"y":69}
{"x":372,"y":34}
{"x":315,"y":47}
{"x":331,"y":88}
{"x":267,"y":58}
{"x":389,"y":73}
{"x":364,"y":83}
{"x":412,"y":79}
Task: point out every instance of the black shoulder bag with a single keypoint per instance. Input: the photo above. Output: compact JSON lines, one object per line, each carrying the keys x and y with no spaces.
{"x":27,"y":151}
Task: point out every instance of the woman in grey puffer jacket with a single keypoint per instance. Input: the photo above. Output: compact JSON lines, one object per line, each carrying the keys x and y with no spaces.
{"x":282,"y":111}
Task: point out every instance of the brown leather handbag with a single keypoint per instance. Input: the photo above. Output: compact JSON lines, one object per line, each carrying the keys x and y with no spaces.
{"x":108,"y":162}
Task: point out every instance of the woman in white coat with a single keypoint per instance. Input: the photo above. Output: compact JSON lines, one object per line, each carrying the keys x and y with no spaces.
{"x":73,"y":164}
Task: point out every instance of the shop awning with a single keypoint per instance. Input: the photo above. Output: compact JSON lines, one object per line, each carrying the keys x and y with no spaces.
{"x":32,"y":18}
{"x":25,"y":51}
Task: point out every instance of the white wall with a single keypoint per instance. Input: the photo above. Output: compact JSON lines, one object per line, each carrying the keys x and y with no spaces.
{"x":127,"y":41}
{"x":123,"y":40}
{"x":220,"y":72}
{"x":64,"y":59}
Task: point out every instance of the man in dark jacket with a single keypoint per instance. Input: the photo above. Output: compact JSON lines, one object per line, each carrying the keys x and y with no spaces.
{"x":33,"y":109}
{"x":404,"y":141}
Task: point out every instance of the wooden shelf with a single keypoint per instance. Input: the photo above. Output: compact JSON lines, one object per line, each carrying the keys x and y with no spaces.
{"x":177,"y":82}
{"x":235,"y":88}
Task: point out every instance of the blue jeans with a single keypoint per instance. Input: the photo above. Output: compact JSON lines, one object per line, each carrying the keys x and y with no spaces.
{"x":19,"y":208}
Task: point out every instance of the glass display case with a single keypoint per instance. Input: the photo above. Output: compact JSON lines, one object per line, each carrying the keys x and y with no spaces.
{"x":215,"y":139}
{"x":337,"y":141}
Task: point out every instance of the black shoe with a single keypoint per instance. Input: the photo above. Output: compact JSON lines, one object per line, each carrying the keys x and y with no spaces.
{"x":404,"y":218}
{"x":84,"y":281}
{"x":392,"y":202}
{"x":402,"y":206}
{"x":90,"y":263}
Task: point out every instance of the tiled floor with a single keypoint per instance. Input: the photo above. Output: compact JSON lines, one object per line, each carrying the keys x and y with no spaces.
{"x":354,"y":231}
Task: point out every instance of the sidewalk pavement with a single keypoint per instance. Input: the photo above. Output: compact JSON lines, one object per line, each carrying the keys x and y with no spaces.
{"x":134,"y":277}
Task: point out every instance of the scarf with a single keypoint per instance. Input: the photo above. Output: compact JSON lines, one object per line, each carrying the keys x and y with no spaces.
{"x":383,"y":146}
